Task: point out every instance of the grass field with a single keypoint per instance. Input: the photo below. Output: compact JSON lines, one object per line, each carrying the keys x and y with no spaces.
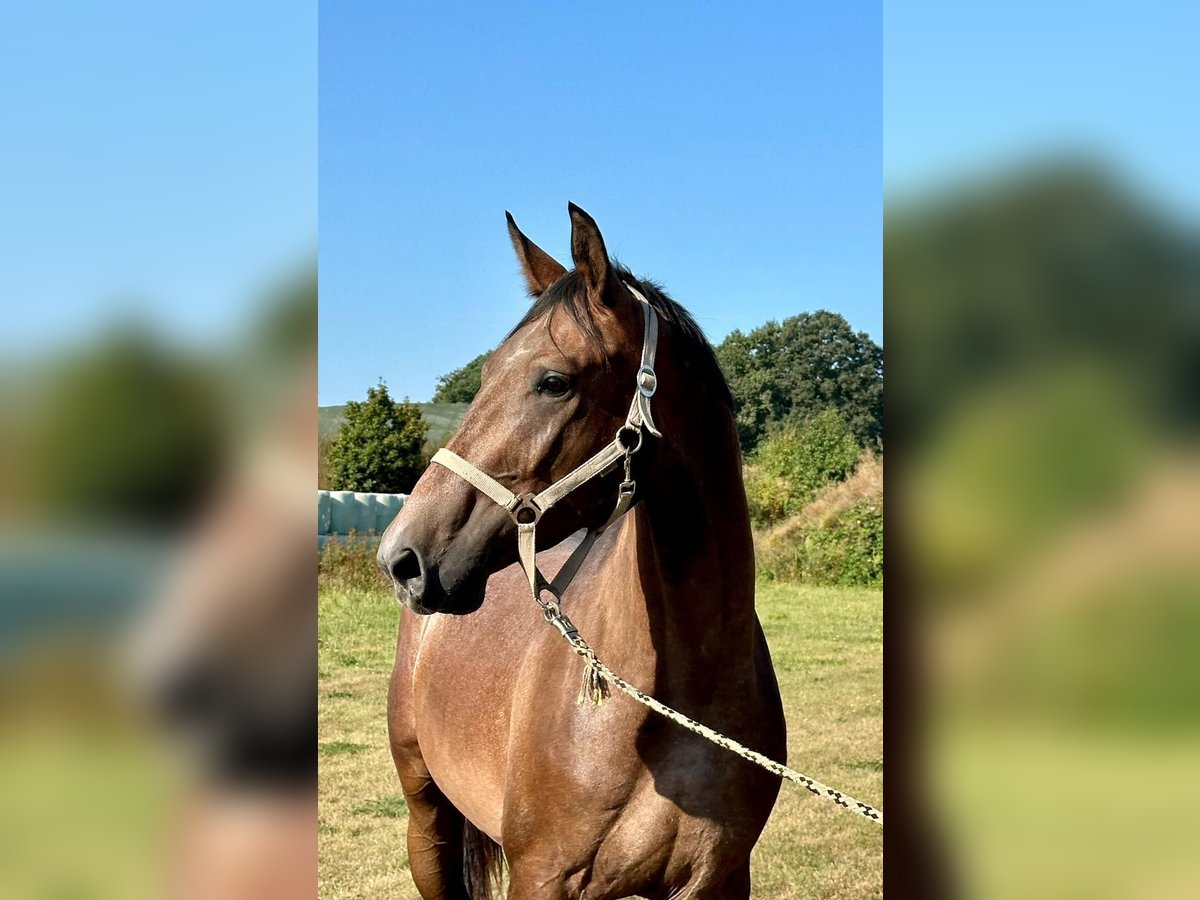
{"x":827,"y":646}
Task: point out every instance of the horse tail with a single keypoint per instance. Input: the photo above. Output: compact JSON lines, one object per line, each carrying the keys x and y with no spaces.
{"x":483,"y":863}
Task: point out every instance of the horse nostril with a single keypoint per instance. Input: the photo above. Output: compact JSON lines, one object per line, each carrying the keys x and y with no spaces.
{"x":405,"y":566}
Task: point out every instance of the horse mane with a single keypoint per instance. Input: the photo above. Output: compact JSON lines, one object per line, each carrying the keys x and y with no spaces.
{"x":568,"y":294}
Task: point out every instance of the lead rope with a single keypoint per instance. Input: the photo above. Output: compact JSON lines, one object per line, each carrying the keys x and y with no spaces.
{"x":596,"y":673}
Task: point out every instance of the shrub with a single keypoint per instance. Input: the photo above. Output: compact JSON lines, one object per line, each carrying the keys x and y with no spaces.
{"x":837,"y":538}
{"x":380,"y":447}
{"x":847,"y":550}
{"x":324,"y":446}
{"x":771,"y":498}
{"x":794,"y":463}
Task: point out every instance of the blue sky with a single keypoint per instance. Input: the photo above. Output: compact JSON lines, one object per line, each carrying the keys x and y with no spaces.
{"x":158,"y":162}
{"x":164,"y":159}
{"x":969,"y":88}
{"x":733,"y":154}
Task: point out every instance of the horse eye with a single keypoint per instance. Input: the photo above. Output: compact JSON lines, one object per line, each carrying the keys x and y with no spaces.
{"x":553,"y":384}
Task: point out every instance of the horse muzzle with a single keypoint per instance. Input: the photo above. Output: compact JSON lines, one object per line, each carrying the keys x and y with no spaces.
{"x":420,"y":584}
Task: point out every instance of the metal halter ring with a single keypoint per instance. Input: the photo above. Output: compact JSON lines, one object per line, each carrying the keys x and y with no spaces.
{"x":644,"y":389}
{"x":629,"y":429}
{"x":525,"y":510}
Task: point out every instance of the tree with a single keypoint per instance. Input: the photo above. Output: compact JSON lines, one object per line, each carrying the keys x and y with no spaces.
{"x":379,"y":447}
{"x":461,"y":385}
{"x":789,"y":372}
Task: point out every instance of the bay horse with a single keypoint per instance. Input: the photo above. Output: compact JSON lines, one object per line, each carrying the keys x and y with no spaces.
{"x":499,"y":759}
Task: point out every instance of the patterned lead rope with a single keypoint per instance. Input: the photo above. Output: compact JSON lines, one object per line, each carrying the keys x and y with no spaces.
{"x":597,"y":672}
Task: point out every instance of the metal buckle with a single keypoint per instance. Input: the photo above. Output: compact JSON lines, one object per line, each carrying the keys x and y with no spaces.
{"x":643,"y":389}
{"x":525,"y":510}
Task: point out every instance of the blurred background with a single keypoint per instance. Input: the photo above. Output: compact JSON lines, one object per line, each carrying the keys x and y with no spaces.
{"x":1042,"y":297}
{"x":157,"y":373}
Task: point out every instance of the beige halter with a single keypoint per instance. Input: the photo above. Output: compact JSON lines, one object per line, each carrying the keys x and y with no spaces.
{"x":527,"y":508}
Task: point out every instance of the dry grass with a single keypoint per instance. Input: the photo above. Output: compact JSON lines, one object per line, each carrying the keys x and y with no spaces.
{"x":864,"y":483}
{"x":827,"y":647}
{"x":835,"y":538}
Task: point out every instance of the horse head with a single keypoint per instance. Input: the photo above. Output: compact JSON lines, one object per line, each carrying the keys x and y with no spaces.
{"x":553,"y":394}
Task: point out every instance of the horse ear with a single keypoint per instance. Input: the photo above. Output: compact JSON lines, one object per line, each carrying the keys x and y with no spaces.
{"x":539,"y":268}
{"x":589,"y":254}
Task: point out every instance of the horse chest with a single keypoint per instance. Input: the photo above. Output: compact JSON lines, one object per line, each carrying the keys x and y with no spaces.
{"x":460,"y":719}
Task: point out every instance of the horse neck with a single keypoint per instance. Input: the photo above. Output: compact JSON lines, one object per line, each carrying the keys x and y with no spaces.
{"x":690,"y":545}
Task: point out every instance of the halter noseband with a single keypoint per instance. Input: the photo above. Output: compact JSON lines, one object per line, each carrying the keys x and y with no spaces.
{"x":528,"y":508}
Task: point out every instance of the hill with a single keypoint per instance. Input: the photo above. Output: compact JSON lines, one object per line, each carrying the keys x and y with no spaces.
{"x":443,"y":419}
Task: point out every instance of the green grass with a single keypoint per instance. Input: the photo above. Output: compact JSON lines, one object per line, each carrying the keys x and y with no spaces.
{"x":827,"y":644}
{"x":336,"y":748}
{"x":393,"y":807}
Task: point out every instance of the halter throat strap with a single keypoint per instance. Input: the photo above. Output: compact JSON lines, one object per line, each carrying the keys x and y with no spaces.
{"x":528,"y":508}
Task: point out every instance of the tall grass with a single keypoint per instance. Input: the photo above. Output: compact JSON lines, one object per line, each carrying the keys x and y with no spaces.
{"x":349,"y":564}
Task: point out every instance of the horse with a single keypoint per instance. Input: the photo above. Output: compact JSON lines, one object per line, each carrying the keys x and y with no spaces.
{"x":500,"y":758}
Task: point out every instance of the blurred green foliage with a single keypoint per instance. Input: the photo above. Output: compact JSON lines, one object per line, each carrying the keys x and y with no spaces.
{"x":787,"y":372}
{"x":379,"y":447}
{"x":1048,"y":324}
{"x":1034,"y":269}
{"x":126,"y":431}
{"x":461,"y":385}
{"x":1026,"y":459}
{"x":1045,"y":323}
{"x":286,"y":329}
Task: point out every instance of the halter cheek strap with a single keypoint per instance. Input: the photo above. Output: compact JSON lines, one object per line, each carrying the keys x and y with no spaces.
{"x":528,"y":508}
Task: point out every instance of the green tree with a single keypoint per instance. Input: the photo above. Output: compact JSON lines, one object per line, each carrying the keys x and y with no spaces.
{"x":461,"y":385}
{"x":788,"y":372}
{"x":379,"y":447}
